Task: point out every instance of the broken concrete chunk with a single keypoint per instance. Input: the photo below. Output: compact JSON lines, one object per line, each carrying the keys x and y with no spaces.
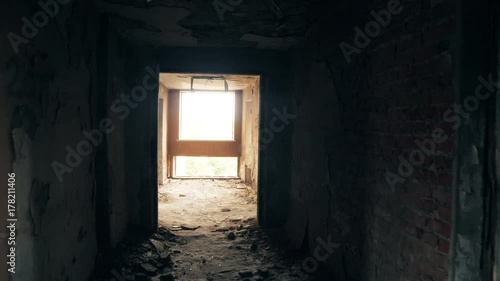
{"x":222,"y":229}
{"x":167,"y":277}
{"x":189,"y":227}
{"x":149,"y":268}
{"x":247,"y":220}
{"x":231,"y":236}
{"x":245,"y":274}
{"x":141,"y":277}
{"x":164,"y":232}
{"x":264,"y":272}
{"x":165,"y":257}
{"x":158,"y":245}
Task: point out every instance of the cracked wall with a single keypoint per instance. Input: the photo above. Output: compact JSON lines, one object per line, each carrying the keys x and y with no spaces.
{"x":248,"y":169}
{"x":50,"y":91}
{"x":354,"y":121}
{"x":49,"y":87}
{"x":254,"y":24}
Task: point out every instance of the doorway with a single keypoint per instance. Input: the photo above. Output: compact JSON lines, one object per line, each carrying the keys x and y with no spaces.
{"x":208,"y":144}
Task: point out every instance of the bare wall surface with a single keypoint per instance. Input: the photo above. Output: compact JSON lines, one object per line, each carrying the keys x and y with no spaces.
{"x":141,"y":137}
{"x":115,"y":79}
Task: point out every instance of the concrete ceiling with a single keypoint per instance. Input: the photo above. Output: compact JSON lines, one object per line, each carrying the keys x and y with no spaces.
{"x":182,"y":81}
{"x":263,"y":24}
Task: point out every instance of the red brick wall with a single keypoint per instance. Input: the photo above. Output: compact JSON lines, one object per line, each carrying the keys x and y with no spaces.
{"x":354,"y":121}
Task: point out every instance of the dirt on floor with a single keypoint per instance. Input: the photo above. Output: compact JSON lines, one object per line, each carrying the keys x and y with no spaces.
{"x":208,"y":231}
{"x":207,"y":204}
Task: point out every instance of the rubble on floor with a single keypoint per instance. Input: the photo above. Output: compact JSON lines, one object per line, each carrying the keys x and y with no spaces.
{"x":209,"y":232}
{"x":251,"y":254}
{"x":139,"y":259}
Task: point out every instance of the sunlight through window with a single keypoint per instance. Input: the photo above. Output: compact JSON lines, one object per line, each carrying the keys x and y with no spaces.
{"x":207,"y":115}
{"x":206,"y":166}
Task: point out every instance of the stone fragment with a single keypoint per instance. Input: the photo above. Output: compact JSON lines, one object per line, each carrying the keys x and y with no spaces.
{"x":245,"y":273}
{"x":231,"y":236}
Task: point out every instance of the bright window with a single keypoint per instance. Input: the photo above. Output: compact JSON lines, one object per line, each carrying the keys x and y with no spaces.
{"x":206,"y":166}
{"x":207,"y":116}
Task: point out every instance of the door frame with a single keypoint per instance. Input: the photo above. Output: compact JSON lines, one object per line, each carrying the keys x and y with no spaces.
{"x":177,"y":147}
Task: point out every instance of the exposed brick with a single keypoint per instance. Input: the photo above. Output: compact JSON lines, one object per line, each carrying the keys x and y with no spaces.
{"x":445,"y":179}
{"x":444,"y":246}
{"x":424,"y":53}
{"x":429,"y":205}
{"x":445,"y":214}
{"x":441,"y":261}
{"x":430,"y":239}
{"x":443,"y":228}
{"x":391,"y":95}
{"x":444,"y":198}
{"x":442,"y":96}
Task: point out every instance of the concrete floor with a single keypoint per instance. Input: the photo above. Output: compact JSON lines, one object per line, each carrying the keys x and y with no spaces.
{"x":210,"y":204}
{"x":217,"y":234}
{"x":208,"y":231}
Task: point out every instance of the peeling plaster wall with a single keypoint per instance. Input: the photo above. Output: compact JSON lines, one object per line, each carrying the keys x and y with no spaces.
{"x":353,"y":122}
{"x":250,"y":139}
{"x":192,"y":23}
{"x":49,"y":88}
{"x":162,"y":135}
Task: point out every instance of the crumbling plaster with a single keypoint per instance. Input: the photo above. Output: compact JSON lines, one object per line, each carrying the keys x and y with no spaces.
{"x":197,"y":23}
